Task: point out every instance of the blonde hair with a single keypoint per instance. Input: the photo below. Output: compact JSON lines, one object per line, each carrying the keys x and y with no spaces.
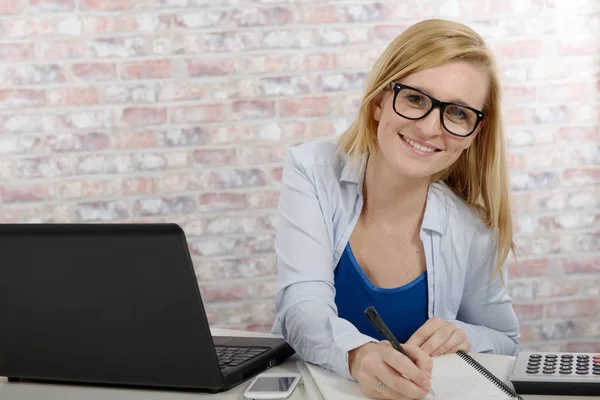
{"x":480,"y":175}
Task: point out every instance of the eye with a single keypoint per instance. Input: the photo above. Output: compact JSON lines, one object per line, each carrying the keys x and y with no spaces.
{"x":456,"y":113}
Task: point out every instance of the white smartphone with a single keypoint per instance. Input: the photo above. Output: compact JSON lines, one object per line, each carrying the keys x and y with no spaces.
{"x":272,"y":385}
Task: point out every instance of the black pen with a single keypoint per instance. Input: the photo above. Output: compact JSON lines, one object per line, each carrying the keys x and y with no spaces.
{"x":375,"y":319}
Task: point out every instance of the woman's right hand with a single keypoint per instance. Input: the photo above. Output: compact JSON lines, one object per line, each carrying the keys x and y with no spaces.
{"x":379,"y":370}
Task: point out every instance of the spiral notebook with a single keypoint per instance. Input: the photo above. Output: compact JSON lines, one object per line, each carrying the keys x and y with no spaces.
{"x":455,"y":377}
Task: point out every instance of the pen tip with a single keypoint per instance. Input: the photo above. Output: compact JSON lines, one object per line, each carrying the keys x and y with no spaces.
{"x":432,"y":392}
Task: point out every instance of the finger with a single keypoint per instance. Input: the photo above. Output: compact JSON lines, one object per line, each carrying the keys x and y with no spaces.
{"x":439,"y":337}
{"x":425,"y":331}
{"x":465,"y":346}
{"x":370,"y":387}
{"x":456,"y":338}
{"x":397,"y":386}
{"x":423,"y":361}
{"x":400,"y":365}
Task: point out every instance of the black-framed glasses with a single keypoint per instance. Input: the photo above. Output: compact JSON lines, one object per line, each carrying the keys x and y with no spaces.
{"x":457,"y":119}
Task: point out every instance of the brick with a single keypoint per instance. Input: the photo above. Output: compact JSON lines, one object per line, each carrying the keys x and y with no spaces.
{"x":223,"y":225}
{"x":259,"y":244}
{"x":553,"y":331}
{"x":94,"y":72}
{"x":527,"y":312}
{"x":578,"y":46}
{"x":520,"y":94}
{"x":23,"y":194}
{"x":11,"y":6}
{"x":73,"y":96}
{"x":336,"y":37}
{"x":260,"y":155}
{"x":581,"y":265}
{"x":583,"y":199}
{"x":572,"y":308}
{"x":521,"y":49}
{"x":101,"y":211}
{"x":151,"y":69}
{"x":213,"y":157}
{"x":40,"y":214}
{"x":143,"y":93}
{"x":270,"y":63}
{"x":83,"y":189}
{"x":214,"y":67}
{"x":164,"y":206}
{"x":106,"y":5}
{"x":184,"y":137}
{"x":150,"y":162}
{"x":231,"y":41}
{"x":556,"y":288}
{"x":583,"y":347}
{"x":363,"y":12}
{"x":523,"y":290}
{"x":225,"y":90}
{"x":72,"y":142}
{"x":362,"y":58}
{"x":587,"y":242}
{"x":232,"y":134}
{"x":533,"y":180}
{"x":253,"y":109}
{"x":52,"y":50}
{"x":27,"y":28}
{"x":305,"y":107}
{"x":134,"y":140}
{"x":104,"y":164}
{"x":172,"y":90}
{"x":144,"y":116}
{"x":577,"y":220}
{"x":288,"y":39}
{"x":245,"y":314}
{"x":200,"y":19}
{"x":529,"y":268}
{"x":216,"y":202}
{"x":387,"y":33}
{"x":118,"y":47}
{"x":215,"y":246}
{"x":108,"y":24}
{"x":264,"y":265}
{"x":96,"y":119}
{"x":153,"y":22}
{"x":35,"y":74}
{"x":565,"y":68}
{"x":22,"y":97}
{"x":19,"y":123}
{"x":51,"y":5}
{"x":16,"y":51}
{"x":316,"y":14}
{"x":237,"y":178}
{"x":200,"y":113}
{"x":172,"y":183}
{"x":590,"y":288}
{"x":251,"y":17}
{"x":284,"y":86}
{"x":580,"y":176}
{"x":230,"y":292}
{"x":341,"y":82}
{"x":19,"y":145}
{"x":578,"y":134}
{"x":44,"y":167}
{"x":283,"y":130}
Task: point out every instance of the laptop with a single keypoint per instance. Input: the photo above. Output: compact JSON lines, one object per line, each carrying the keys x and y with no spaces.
{"x":114,"y":304}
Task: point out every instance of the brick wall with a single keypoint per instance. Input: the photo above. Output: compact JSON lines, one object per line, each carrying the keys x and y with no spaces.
{"x":181,"y":110}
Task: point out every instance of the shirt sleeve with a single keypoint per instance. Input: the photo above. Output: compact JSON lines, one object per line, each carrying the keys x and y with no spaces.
{"x":486,"y":314}
{"x":306,"y":314}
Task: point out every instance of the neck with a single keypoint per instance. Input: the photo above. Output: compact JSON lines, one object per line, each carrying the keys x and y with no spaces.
{"x":392,"y":196}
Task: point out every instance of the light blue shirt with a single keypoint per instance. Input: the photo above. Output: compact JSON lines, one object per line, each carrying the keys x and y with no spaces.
{"x":320,"y":202}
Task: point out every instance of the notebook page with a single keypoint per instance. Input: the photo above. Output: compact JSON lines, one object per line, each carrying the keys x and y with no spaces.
{"x":453,"y":379}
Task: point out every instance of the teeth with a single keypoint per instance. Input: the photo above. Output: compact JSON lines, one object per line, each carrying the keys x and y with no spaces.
{"x":417,"y":145}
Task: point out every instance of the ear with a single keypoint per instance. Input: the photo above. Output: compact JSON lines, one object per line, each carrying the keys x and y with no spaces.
{"x":377,"y":107}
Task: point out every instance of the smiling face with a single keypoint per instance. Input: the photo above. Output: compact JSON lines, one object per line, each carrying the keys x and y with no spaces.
{"x":422,"y":148}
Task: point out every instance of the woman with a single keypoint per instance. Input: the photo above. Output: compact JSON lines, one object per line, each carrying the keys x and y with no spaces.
{"x":409,"y":212}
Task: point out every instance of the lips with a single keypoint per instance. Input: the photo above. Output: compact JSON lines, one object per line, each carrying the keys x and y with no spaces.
{"x":418,"y":145}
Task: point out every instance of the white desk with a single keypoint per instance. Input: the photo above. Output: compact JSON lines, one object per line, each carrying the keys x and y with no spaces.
{"x":306,"y":391}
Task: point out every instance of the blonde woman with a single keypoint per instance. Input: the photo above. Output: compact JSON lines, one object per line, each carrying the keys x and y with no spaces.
{"x":408,"y":212}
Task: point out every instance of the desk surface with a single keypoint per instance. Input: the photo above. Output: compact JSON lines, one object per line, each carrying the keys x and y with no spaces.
{"x":306,"y":391}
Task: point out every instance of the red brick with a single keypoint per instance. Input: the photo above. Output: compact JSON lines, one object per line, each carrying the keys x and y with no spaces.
{"x":51,"y":5}
{"x":215,"y":67}
{"x":572,"y":308}
{"x":71,"y":142}
{"x":144,"y":116}
{"x":581,"y":265}
{"x":101,"y":211}
{"x":581,"y":176}
{"x":153,"y":69}
{"x":584,"y":347}
{"x":387,"y":33}
{"x":95,"y":71}
{"x":261,"y":155}
{"x":315,"y":14}
{"x":22,"y":97}
{"x":529,"y":311}
{"x":61,"y":49}
{"x":226,"y":292}
{"x":106,"y":5}
{"x":200,"y":19}
{"x":236,"y":178}
{"x":11,"y":6}
{"x":211,"y":202}
{"x":578,"y":46}
{"x":19,"y":194}
{"x":200,"y":113}
{"x":215,"y":157}
{"x":262,"y":16}
{"x":528,"y":268}
{"x":521,"y":49}
{"x":263,"y":199}
{"x":269,"y":63}
{"x":43,"y":74}
{"x":73,"y":96}
{"x":16,"y":51}
{"x":306,"y":107}
{"x":108,"y":24}
{"x":337,"y":37}
{"x":27,"y":28}
{"x":579,"y":134}
{"x":134,"y":140}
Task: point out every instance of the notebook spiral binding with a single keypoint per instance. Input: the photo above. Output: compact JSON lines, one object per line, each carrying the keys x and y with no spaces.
{"x":482,"y":370}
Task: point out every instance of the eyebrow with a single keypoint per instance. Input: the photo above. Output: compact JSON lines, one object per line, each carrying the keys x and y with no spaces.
{"x":454,"y":100}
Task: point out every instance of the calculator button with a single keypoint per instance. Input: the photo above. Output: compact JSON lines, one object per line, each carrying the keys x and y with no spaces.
{"x":532,"y":370}
{"x":533,"y":364}
{"x":551,"y":356}
{"x":596,"y":372}
{"x":582,"y":372}
{"x":583,"y":357}
{"x":566,"y":363}
{"x":565,"y":371}
{"x":535,"y":356}
{"x":569,"y":356}
{"x":548,"y":371}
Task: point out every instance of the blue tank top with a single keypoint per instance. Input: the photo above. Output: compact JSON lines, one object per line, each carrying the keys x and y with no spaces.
{"x":404,"y":309}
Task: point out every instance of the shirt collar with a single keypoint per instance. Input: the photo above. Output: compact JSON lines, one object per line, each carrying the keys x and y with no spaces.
{"x":435,"y":217}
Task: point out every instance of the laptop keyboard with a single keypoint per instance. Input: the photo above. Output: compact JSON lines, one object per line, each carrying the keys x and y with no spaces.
{"x":232,"y":356}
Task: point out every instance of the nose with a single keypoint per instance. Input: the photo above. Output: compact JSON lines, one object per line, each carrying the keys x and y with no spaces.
{"x":431,"y":125}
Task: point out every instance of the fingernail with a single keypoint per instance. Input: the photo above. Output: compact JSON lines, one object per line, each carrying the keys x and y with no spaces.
{"x":424,"y":384}
{"x":428,"y":372}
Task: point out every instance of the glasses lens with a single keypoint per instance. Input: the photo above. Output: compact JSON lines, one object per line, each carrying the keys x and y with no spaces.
{"x":412,"y":104}
{"x":459,"y":120}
